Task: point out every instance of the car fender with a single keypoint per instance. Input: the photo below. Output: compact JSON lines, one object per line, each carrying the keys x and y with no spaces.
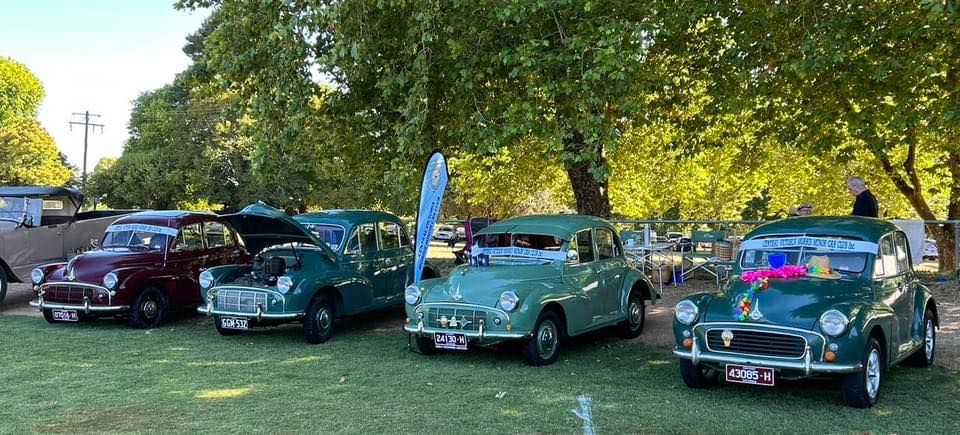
{"x":702,"y":302}
{"x":577,"y":311}
{"x":133,"y":279}
{"x":923,"y":300}
{"x":354,"y":293}
{"x":863,"y":321}
{"x":7,"y":272}
{"x":632,"y":278}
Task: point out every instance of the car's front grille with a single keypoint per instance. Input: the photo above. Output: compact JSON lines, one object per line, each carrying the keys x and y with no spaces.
{"x":757,"y":343}
{"x":66,"y":294}
{"x":241,"y":301}
{"x":464,"y":319}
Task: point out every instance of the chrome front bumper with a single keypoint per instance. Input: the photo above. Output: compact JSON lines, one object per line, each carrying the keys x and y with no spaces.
{"x":480,"y":334}
{"x":86,"y":307}
{"x":209,"y":310}
{"x":805,"y":365}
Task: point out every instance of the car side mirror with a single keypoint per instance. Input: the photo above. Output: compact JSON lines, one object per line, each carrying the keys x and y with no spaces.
{"x":573,"y":257}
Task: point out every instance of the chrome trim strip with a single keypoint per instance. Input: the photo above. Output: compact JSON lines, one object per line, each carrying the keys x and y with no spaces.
{"x":86,"y":307}
{"x":420,"y":330}
{"x":823,"y":340}
{"x":418,"y":308}
{"x":110,"y":293}
{"x":210,"y":311}
{"x":806,"y":344}
{"x":814,"y":367}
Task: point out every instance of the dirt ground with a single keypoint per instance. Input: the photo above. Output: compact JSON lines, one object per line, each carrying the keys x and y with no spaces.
{"x":657,"y":331}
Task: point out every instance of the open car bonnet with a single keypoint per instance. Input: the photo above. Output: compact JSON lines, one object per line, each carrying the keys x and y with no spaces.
{"x":262,"y":226}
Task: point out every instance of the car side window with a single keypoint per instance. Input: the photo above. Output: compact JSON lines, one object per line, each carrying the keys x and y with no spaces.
{"x":367,"y":234}
{"x":888,"y":257}
{"x":353,"y":244}
{"x":216,"y":234}
{"x":389,"y":235}
{"x":606,"y":247}
{"x":903,"y":257}
{"x":584,"y":246}
{"x":189,"y":239}
{"x":404,"y":238}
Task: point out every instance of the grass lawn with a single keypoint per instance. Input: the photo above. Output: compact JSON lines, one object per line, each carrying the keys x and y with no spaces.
{"x":100,"y":376}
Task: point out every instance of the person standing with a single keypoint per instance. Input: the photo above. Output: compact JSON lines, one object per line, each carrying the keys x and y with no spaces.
{"x":866,"y":203}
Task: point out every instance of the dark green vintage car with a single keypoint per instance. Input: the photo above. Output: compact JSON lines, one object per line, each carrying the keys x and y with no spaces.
{"x":314,"y":268}
{"x":811,"y":296}
{"x":536,"y":279}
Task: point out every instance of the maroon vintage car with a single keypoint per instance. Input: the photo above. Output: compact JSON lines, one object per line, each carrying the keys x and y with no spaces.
{"x":148,"y":264}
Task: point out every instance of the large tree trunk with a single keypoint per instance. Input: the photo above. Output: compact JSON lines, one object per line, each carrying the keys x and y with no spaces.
{"x":591,"y":194}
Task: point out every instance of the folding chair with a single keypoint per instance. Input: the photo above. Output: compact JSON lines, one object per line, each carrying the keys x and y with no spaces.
{"x":711,"y":263}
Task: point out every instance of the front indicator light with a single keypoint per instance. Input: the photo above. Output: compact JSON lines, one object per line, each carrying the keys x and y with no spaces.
{"x":509,"y":327}
{"x":687,"y":343}
{"x":830,"y":356}
{"x":406,"y":321}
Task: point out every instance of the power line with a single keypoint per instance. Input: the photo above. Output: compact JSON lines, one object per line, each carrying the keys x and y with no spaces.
{"x":86,"y":129}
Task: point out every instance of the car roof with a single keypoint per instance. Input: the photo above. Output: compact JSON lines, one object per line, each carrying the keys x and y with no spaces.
{"x":166,"y":217}
{"x":39,"y":191}
{"x":346,"y":218}
{"x":562,"y":226}
{"x":855,"y":227}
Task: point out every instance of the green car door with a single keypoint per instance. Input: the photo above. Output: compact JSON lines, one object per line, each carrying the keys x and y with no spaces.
{"x":892,"y":289}
{"x":396,"y":258}
{"x":610,"y":266}
{"x":583,"y":273}
{"x":361,"y":256}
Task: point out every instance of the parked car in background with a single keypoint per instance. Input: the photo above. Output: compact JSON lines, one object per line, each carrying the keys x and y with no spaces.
{"x":847,"y":304}
{"x":147,"y":265}
{"x":471,"y":227}
{"x":930,"y":251}
{"x":40,"y":225}
{"x":461,"y":233}
{"x":313,"y":268}
{"x":534,"y":279}
{"x":444,"y":232}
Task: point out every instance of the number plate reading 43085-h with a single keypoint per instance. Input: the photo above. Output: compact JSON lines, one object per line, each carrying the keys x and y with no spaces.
{"x":750,"y":375}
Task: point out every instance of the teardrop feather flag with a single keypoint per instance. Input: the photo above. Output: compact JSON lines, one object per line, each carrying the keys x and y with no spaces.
{"x":435,"y":179}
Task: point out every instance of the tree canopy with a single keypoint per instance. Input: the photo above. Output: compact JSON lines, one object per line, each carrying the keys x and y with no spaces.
{"x":28,"y":155}
{"x":20,"y":91}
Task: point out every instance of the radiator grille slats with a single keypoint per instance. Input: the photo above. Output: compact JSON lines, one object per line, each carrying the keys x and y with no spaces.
{"x":762,"y":343}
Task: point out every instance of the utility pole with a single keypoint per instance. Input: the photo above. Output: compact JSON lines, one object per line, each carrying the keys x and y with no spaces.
{"x":86,"y":130}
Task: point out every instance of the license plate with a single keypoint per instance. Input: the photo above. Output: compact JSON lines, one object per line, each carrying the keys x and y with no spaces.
{"x":65,"y":316}
{"x":750,"y":375}
{"x":234,"y":323}
{"x":446,"y":340}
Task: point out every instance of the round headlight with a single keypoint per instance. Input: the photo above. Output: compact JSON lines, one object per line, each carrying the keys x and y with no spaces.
{"x":412,"y":295}
{"x":110,"y":280}
{"x":833,"y":323}
{"x":284,"y":283}
{"x":686,"y":312}
{"x":36,"y":276}
{"x":206,"y":279}
{"x":509,"y":300}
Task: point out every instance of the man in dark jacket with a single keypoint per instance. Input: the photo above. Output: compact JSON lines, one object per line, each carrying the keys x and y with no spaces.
{"x":866,"y":203}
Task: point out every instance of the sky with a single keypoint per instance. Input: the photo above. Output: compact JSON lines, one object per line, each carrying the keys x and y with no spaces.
{"x":95,"y":55}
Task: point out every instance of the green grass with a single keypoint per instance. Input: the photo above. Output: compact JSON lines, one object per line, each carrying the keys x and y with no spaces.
{"x":184,"y":377}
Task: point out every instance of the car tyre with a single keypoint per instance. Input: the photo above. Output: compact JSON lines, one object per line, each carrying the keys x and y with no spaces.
{"x":425,"y":345}
{"x":923,"y":357}
{"x":632,"y":327}
{"x":226,"y":332}
{"x":862,"y":389}
{"x":544,"y":347}
{"x":3,"y":285}
{"x":149,"y":309}
{"x":318,"y":325}
{"x":48,"y":316}
{"x":697,"y":376}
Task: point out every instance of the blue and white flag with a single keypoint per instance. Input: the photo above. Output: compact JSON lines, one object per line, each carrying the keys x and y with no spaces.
{"x":435,"y":179}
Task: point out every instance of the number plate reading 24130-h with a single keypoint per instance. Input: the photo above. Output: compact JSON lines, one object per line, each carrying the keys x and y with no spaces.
{"x":750,"y":375}
{"x":447,"y":340}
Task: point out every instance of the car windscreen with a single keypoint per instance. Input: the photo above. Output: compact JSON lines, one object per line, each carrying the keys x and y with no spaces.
{"x":331,"y":234}
{"x":138,"y":240}
{"x":849,"y":261}
{"x":517,"y":248}
{"x":25,"y":211}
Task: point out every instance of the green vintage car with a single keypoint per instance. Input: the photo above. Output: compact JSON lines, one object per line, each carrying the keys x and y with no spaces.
{"x":537,"y":279}
{"x":314,"y":268}
{"x":845,"y":302}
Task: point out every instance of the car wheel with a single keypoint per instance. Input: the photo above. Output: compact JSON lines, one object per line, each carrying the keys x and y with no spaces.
{"x":425,"y":345}
{"x":48,"y":316}
{"x":318,"y":325}
{"x":149,"y":309}
{"x":3,"y":285}
{"x":544,"y":347}
{"x":636,"y":315}
{"x":862,"y":389}
{"x":226,"y":332}
{"x":697,"y":376}
{"x":923,"y":357}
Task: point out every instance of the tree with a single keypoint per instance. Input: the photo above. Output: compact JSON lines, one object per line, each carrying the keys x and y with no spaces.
{"x":20,"y":91}
{"x":28,"y":155}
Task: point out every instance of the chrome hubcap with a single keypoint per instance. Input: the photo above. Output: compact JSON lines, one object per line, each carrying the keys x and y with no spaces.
{"x":150,"y":309}
{"x":323,"y":319}
{"x":873,"y":373}
{"x":547,"y":340}
{"x":929,"y":340}
{"x":636,"y":313}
